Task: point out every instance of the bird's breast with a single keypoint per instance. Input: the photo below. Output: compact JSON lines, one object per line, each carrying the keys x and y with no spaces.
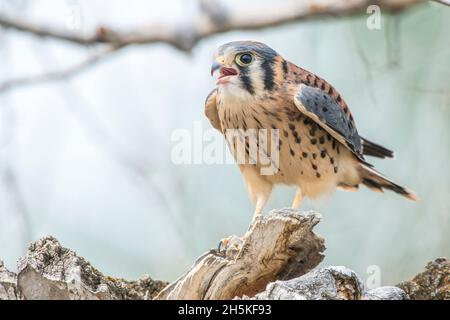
{"x":304,"y":153}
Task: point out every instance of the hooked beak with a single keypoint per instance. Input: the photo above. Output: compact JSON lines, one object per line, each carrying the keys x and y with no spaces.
{"x":225,"y":72}
{"x":215,"y":65}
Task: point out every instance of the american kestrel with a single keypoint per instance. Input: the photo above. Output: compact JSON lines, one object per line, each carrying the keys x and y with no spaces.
{"x":319,"y":147}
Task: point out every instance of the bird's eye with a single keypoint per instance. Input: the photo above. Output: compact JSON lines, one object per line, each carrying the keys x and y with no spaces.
{"x":244,"y":59}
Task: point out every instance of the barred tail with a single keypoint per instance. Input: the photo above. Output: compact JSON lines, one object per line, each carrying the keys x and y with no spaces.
{"x":373,"y":149}
{"x":377,"y":182}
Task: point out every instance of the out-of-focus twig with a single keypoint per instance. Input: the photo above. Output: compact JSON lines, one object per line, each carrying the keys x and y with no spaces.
{"x":59,"y":74}
{"x":444,"y":2}
{"x":185,"y":36}
{"x":213,"y":19}
{"x":11,"y":182}
{"x":8,"y":173}
{"x":137,"y":168}
{"x":9,"y":159}
{"x":366,"y":64}
{"x":393,"y":44}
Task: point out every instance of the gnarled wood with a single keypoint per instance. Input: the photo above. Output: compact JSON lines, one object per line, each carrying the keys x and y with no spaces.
{"x":280,"y":245}
{"x":52,"y":272}
{"x":330,"y":283}
{"x":431,"y":284}
{"x":273,"y":260}
{"x":8,"y":284}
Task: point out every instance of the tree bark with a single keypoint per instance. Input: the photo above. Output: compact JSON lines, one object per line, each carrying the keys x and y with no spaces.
{"x":275,"y":259}
{"x":280,"y":245}
{"x":432,"y":284}
{"x":52,"y":272}
{"x":8,"y":284}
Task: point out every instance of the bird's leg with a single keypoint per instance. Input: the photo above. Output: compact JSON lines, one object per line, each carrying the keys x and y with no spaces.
{"x":297,"y":199}
{"x":261,"y":201}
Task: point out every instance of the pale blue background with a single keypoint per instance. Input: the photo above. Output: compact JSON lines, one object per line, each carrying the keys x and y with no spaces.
{"x":91,"y":156}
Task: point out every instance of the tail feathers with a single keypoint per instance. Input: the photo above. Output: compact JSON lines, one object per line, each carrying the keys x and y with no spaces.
{"x":377,"y":182}
{"x":373,"y":149}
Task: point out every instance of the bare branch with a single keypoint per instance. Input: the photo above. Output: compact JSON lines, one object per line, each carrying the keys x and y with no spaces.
{"x":444,"y":2}
{"x":212,"y":21}
{"x":184,"y":37}
{"x":59,"y":74}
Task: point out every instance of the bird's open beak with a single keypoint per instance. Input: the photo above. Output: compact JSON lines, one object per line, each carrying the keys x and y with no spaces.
{"x":215,"y":66}
{"x":225,"y":72}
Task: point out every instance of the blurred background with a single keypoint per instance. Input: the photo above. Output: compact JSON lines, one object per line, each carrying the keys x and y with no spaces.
{"x":87,"y":159}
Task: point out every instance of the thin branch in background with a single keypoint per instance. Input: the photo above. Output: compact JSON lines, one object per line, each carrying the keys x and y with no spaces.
{"x":136,"y":168}
{"x":367,"y":65}
{"x":11,"y":183}
{"x":444,"y":94}
{"x":435,"y":91}
{"x":214,"y":19}
{"x":444,"y":2}
{"x":8,"y":174}
{"x":184,"y":37}
{"x":392,"y":38}
{"x":59,"y":74}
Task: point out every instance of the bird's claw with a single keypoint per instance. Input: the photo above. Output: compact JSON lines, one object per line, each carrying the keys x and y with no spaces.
{"x":222,"y":246}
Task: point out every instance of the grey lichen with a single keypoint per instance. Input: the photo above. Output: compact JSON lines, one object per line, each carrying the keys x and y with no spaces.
{"x":432,"y":284}
{"x":50,"y":271}
{"x":330,"y":283}
{"x":8,"y":284}
{"x":386,"y":293}
{"x":277,"y":256}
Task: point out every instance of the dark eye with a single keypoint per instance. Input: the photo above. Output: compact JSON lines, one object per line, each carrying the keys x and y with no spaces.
{"x":244,"y":59}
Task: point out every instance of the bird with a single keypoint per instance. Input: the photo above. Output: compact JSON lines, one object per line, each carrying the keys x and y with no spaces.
{"x":318,"y":146}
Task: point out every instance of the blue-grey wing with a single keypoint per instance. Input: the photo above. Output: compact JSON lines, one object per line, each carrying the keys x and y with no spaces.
{"x":330,"y":115}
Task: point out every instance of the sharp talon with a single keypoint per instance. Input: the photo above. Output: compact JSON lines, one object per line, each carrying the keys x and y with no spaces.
{"x":223,"y":244}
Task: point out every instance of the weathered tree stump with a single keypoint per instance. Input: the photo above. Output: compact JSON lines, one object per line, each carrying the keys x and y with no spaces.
{"x":280,"y":245}
{"x":8,"y":284}
{"x":275,"y":259}
{"x":432,"y":284}
{"x":51,"y":272}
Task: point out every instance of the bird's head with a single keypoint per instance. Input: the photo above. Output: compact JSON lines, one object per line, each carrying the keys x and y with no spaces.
{"x":247,"y":67}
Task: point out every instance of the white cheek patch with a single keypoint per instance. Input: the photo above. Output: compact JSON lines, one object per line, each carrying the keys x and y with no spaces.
{"x":256,"y":75}
{"x":233,"y":93}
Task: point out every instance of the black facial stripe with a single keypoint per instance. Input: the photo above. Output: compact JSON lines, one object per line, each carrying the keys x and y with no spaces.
{"x":264,"y":53}
{"x":246,"y":81}
{"x":269,"y":74}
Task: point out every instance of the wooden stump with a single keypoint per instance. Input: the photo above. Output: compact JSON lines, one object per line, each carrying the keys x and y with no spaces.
{"x":280,"y":245}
